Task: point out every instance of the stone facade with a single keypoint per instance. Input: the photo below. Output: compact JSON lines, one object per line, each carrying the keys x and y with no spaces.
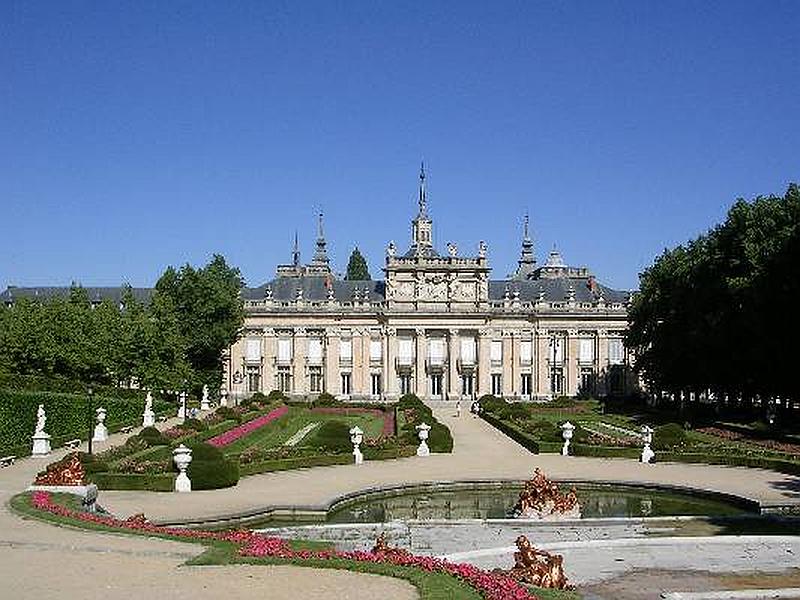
{"x":437,"y":326}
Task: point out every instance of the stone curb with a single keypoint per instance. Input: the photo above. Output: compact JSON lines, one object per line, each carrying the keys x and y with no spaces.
{"x":734,"y":594}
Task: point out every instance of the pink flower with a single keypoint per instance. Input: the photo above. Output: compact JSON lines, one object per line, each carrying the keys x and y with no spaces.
{"x":493,"y":586}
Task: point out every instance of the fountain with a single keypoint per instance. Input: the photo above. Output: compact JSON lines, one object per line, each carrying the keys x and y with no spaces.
{"x":541,"y":499}
{"x":537,"y":567}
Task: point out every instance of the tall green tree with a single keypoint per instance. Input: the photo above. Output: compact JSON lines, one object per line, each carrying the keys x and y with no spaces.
{"x":206,"y":306}
{"x":357,"y":269}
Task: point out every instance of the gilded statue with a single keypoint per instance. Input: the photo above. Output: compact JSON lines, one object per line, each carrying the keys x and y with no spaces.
{"x":540,"y":498}
{"x":537,"y":567}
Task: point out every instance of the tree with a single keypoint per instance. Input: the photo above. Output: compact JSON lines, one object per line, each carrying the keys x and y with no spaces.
{"x":206,"y":306}
{"x":357,"y":269}
{"x":719,"y":313}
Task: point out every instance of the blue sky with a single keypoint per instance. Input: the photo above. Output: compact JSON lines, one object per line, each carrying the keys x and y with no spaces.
{"x":135,"y":135}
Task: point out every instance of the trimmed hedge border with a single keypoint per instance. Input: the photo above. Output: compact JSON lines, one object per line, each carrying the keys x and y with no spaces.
{"x":135,"y":482}
{"x":322,"y":460}
{"x":733,"y":460}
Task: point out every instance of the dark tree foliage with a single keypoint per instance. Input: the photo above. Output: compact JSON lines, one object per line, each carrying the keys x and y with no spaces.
{"x":720,"y":312}
{"x":357,"y":267}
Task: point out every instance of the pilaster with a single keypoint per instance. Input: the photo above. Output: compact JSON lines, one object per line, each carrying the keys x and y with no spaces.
{"x":299,"y":354}
{"x":453,"y":380}
{"x":484,"y":361}
{"x":420,"y":375}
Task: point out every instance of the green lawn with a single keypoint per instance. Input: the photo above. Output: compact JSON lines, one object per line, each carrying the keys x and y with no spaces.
{"x":275,"y":434}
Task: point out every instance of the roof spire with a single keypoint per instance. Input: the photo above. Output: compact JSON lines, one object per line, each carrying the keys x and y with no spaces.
{"x":527,"y":260}
{"x":296,"y":251}
{"x":320,"y":254}
{"x":423,"y":200}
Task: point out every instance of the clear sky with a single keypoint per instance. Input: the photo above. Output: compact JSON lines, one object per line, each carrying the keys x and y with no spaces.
{"x":134,"y":135}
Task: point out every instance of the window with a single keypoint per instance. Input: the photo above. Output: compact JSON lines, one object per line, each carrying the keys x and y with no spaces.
{"x":587,"y":381}
{"x":346,"y":350}
{"x":526,"y":384}
{"x":375,"y":384}
{"x":315,"y":379}
{"x":586,"y":350}
{"x":405,"y":351}
{"x":437,"y":351}
{"x":467,"y":385}
{"x":616,"y":351}
{"x":375,"y":350}
{"x":557,"y":381}
{"x":497,"y":351}
{"x":616,"y":380}
{"x":436,"y":385}
{"x":556,"y":350}
{"x":284,"y":350}
{"x":315,"y":352}
{"x":497,"y":384}
{"x":346,"y":383}
{"x":252,"y":351}
{"x":405,"y":383}
{"x":468,"y":351}
{"x":253,"y":379}
{"x":284,"y":379}
{"x":526,"y":352}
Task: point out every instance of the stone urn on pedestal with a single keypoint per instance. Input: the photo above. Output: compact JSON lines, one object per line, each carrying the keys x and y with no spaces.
{"x":41,"y":440}
{"x":567,"y":430}
{"x":100,"y":430}
{"x":423,"y":429}
{"x":204,"y":405}
{"x":148,"y":416}
{"x":356,"y":437}
{"x":647,"y":438}
{"x":223,"y":397}
{"x":182,"y":457}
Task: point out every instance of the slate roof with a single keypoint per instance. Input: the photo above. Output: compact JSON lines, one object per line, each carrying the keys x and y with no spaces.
{"x":284,"y":289}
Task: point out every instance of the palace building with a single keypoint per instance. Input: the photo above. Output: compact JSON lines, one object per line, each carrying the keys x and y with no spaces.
{"x":437,"y":325}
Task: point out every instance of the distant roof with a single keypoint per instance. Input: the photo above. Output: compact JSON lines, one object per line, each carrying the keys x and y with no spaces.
{"x":95,"y":294}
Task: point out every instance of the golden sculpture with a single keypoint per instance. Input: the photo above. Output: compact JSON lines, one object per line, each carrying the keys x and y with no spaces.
{"x":67,"y":471}
{"x":540,"y":498}
{"x":384,"y":549}
{"x":537,"y":567}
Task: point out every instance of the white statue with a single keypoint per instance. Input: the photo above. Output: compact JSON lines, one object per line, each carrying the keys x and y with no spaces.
{"x":391,"y":249}
{"x":482,"y":249}
{"x":204,"y":405}
{"x":41,"y":440}
{"x":41,"y":419}
{"x":100,"y":430}
{"x":148,"y":416}
{"x":452,"y":249}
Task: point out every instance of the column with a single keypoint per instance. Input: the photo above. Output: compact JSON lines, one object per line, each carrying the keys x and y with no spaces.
{"x":508,"y":361}
{"x":420,"y":377}
{"x":270,"y":354}
{"x":602,"y":362}
{"x":542,"y":363}
{"x":299,"y":353}
{"x":391,"y":381}
{"x":333,"y":382}
{"x":516,"y":365}
{"x":571,"y":362}
{"x":484,"y":362}
{"x":453,"y":380}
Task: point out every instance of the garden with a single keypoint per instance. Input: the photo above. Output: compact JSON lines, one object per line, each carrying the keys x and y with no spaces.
{"x":263,"y":434}
{"x":606,"y":430}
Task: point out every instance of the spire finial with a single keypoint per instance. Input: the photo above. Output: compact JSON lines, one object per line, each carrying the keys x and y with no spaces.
{"x":320,"y":234}
{"x":423,"y":201}
{"x":320,"y":259}
{"x":527,"y":219}
{"x":296,"y":251}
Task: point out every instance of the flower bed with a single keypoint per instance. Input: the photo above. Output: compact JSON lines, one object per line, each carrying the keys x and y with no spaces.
{"x":244,"y":429}
{"x":735,"y":436}
{"x":492,"y":586}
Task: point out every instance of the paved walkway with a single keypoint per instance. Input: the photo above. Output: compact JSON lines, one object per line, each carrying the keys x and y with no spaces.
{"x":39,"y":560}
{"x":480,"y":453}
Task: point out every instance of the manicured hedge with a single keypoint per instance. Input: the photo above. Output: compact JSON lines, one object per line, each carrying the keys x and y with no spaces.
{"x":63,"y":385}
{"x":66,"y":416}
{"x":124,"y":481}
{"x":210,"y":469}
{"x":439,"y":438}
{"x":519,"y":436}
{"x":333,"y":436}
